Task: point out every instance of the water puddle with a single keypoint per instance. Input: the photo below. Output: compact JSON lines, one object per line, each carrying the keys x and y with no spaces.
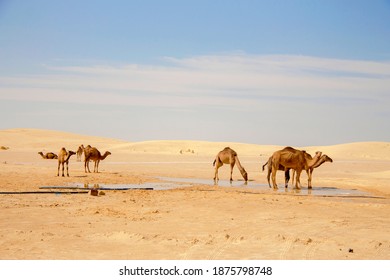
{"x":317,"y":191}
{"x":172,"y":183}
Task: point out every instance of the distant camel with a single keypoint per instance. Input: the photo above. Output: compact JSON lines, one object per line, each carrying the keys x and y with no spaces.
{"x":63,"y":158}
{"x":48,"y":155}
{"x":293,"y":159}
{"x":80,"y":152}
{"x":228,"y":156}
{"x":91,"y":153}
{"x":323,"y":159}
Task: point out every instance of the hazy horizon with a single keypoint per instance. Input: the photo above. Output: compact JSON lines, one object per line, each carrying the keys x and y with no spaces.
{"x":299,"y":73}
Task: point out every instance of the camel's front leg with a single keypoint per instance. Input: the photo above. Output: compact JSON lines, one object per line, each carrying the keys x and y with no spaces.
{"x":67,"y":169}
{"x":231,"y":171}
{"x":58,"y":170}
{"x":218,"y":164}
{"x":309,"y":175}
{"x":63,"y":167}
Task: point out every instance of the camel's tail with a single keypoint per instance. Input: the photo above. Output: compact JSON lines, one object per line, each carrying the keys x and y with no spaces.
{"x":214,"y":162}
{"x":265,"y":165}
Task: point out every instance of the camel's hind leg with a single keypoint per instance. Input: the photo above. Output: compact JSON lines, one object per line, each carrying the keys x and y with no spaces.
{"x":96,"y":166}
{"x":58,"y":170}
{"x":86,"y":165}
{"x":286,"y":177}
{"x":274,"y":177}
{"x":298,"y":181}
{"x":269,"y":175}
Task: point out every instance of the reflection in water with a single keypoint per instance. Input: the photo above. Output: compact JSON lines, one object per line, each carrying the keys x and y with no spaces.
{"x":319,"y":191}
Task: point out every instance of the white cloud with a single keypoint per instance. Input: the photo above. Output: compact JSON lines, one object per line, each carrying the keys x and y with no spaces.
{"x":224,"y":80}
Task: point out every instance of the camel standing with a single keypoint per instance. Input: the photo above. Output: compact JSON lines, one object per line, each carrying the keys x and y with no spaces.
{"x":48,"y":155}
{"x":293,"y":159}
{"x":281,"y":167}
{"x":323,"y":159}
{"x":80,"y":152}
{"x":63,"y":158}
{"x":228,"y":156}
{"x":91,"y":153}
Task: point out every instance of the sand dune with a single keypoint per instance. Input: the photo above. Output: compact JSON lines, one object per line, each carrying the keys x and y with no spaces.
{"x":200,"y":221}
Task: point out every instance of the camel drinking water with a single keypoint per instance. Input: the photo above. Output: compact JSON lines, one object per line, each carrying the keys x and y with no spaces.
{"x":228,"y":156}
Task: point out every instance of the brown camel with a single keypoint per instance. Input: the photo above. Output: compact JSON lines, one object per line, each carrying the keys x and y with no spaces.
{"x":228,"y":156}
{"x":80,"y":152}
{"x":48,"y":155}
{"x":281,"y":167}
{"x":293,"y":159}
{"x":323,"y":159}
{"x":63,"y":158}
{"x":91,"y":153}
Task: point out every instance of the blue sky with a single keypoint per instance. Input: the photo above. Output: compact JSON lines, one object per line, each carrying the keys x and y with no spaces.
{"x":267,"y":72}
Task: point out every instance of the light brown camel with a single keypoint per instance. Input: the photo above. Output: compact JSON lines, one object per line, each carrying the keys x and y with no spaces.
{"x":228,"y":156}
{"x":91,"y":153}
{"x":293,"y":159}
{"x":80,"y":152}
{"x":281,"y":167}
{"x":63,"y":158}
{"x":48,"y":155}
{"x":323,"y":159}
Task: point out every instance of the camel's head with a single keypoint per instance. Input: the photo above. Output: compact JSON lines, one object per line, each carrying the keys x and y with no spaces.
{"x":327,"y":158}
{"x":71,"y":153}
{"x":245,"y":175}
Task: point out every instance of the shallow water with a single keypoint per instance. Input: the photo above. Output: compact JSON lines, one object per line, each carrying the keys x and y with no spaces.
{"x":171,"y":183}
{"x":318,"y":191}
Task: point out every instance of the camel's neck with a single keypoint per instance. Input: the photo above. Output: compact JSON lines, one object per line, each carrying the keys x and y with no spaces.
{"x":311,"y":163}
{"x":319,"y":162}
{"x":42,"y":155}
{"x":68,"y":157}
{"x":242,"y":170}
{"x":104,"y":156}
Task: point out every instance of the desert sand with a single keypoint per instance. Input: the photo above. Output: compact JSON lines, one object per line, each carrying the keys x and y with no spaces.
{"x":190,"y":221}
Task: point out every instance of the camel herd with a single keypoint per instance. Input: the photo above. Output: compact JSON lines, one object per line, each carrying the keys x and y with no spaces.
{"x":90,"y":153}
{"x":284,"y":160}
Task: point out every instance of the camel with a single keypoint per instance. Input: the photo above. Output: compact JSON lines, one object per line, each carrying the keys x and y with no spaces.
{"x":80,"y":152}
{"x":293,"y":159}
{"x":281,"y":167}
{"x":91,"y":153}
{"x":48,"y":155}
{"x":63,"y":158}
{"x":323,"y":159}
{"x":228,"y":156}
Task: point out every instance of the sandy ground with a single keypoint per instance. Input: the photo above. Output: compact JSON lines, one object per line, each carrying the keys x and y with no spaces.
{"x":194,"y":222}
